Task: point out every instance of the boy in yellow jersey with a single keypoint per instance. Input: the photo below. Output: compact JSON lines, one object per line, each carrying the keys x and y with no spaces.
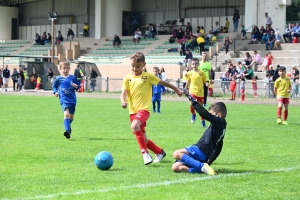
{"x":282,"y":88}
{"x":137,"y":93}
{"x":195,"y":80}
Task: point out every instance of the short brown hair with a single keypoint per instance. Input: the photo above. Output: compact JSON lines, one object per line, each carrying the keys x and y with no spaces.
{"x":63,"y":63}
{"x":219,"y":107}
{"x":138,"y":57}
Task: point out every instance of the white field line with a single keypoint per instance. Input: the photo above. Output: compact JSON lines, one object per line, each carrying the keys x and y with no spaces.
{"x":148,"y":185}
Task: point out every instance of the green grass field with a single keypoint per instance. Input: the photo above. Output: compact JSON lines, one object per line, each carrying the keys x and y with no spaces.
{"x":259,"y":160}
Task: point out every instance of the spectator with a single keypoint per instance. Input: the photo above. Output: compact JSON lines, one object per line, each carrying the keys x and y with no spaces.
{"x":236,"y":17}
{"x":295,"y":73}
{"x":227,"y":24}
{"x":21,"y":74}
{"x":152,"y":31}
{"x":271,"y":71}
{"x":226,"y":44}
{"x":38,"y":82}
{"x":86,"y":28}
{"x":256,"y":60}
{"x":70,"y":34}
{"x":188,"y":58}
{"x":59,"y":38}
{"x":179,"y":35}
{"x":194,"y":43}
{"x":262,"y":32}
{"x":182,"y":49}
{"x":276,"y":74}
{"x":208,"y":38}
{"x":277,"y":40}
{"x":269,"y":21}
{"x":163,"y":74}
{"x":288,"y":33}
{"x":248,"y":58}
{"x":43,"y":38}
{"x":14,"y":78}
{"x":116,"y":41}
{"x":188,"y":33}
{"x":264,"y":64}
{"x":254,"y":86}
{"x":1,"y":79}
{"x":198,"y":29}
{"x":184,"y":76}
{"x":49,"y":39}
{"x":255,"y":34}
{"x":37,"y":40}
{"x":267,"y":34}
{"x":201,"y":43}
{"x":78,"y":73}
{"x":271,"y":41}
{"x":19,"y":86}
{"x":137,"y":36}
{"x":216,"y":29}
{"x":243,"y":31}
{"x":296,"y":31}
{"x":50,"y":75}
{"x":93,"y":79}
{"x":5,"y":77}
{"x":248,"y":74}
{"x":188,"y":26}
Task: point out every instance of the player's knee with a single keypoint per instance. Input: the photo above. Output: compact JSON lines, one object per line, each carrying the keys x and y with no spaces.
{"x":176,"y":155}
{"x":175,"y":167}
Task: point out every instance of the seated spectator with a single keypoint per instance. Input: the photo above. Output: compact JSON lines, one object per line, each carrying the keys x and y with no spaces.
{"x":296,"y":31}
{"x":288,"y":34}
{"x":188,"y":34}
{"x":188,"y":58}
{"x":147,"y":33}
{"x":262,"y":31}
{"x":86,"y":28}
{"x":254,"y":35}
{"x":201,"y":43}
{"x":116,"y":41}
{"x":202,"y":31}
{"x":137,"y":36}
{"x":227,"y":24}
{"x":267,"y":33}
{"x":277,"y":40}
{"x":182,"y":49}
{"x":198,"y":29}
{"x":49,"y":39}
{"x":264,"y":64}
{"x":248,"y":58}
{"x":256,"y":60}
{"x":193,"y":43}
{"x":70,"y":34}
{"x":59,"y":38}
{"x":188,"y":26}
{"x":248,"y":74}
{"x":216,"y":29}
{"x":213,"y":40}
{"x":208,"y":38}
{"x":271,"y":41}
{"x":179,"y":35}
{"x":43,"y":38}
{"x":37,"y":40}
{"x":152,"y":31}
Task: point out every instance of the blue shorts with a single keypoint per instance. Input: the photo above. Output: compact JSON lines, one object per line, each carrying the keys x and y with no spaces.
{"x":156,"y":97}
{"x":195,"y":153}
{"x":70,"y":106}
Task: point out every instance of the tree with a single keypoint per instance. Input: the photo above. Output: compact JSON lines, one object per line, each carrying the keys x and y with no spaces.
{"x":292,"y":11}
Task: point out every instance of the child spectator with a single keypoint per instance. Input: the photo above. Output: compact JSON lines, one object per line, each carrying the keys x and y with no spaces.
{"x":33,"y":79}
{"x":266,"y":83}
{"x":213,"y":39}
{"x":282,"y":88}
{"x":233,"y":88}
{"x":270,"y":59}
{"x":116,"y":41}
{"x":295,"y":89}
{"x":157,"y":90}
{"x":226,"y":44}
{"x":277,"y":40}
{"x":254,"y":86}
{"x":137,"y":36}
{"x":64,"y":87}
{"x":224,"y":80}
{"x":226,"y":27}
{"x":242,"y":88}
{"x":210,"y":88}
{"x":19,"y":86}
{"x":243,"y":31}
{"x":38,"y":82}
{"x":136,"y":91}
{"x":197,"y":158}
{"x":264,"y":65}
{"x":182,"y":49}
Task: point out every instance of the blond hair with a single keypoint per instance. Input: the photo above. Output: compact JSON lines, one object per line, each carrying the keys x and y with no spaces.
{"x":62,"y":63}
{"x":138,"y":57}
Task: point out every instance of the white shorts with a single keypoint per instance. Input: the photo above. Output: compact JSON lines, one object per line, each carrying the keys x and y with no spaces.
{"x":5,"y":81}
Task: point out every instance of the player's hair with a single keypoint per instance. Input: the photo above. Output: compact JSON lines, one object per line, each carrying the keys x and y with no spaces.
{"x":195,"y":59}
{"x":138,"y":57}
{"x":156,"y":68}
{"x":281,"y":68}
{"x":219,"y":107}
{"x":62,"y":63}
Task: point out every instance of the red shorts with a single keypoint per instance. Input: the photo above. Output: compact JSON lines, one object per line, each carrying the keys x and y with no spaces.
{"x":198,"y":99}
{"x":283,"y":100}
{"x":242,"y":91}
{"x":142,"y":116}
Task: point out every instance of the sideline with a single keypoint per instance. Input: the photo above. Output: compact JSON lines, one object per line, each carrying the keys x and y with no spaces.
{"x":156,"y":184}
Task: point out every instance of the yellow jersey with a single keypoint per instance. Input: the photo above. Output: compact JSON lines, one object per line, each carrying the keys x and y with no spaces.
{"x":283,"y":85}
{"x":38,"y":80}
{"x":200,"y":40}
{"x":139,"y":91}
{"x":86,"y":27}
{"x":227,"y":23}
{"x":213,"y":38}
{"x":196,"y":80}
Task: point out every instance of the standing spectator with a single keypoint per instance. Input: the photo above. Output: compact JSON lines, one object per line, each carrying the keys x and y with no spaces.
{"x":196,"y":80}
{"x":188,"y":26}
{"x":59,"y":38}
{"x":116,"y":41}
{"x":188,"y":58}
{"x":227,"y":24}
{"x":38,"y":82}
{"x":137,"y":36}
{"x":267,"y":81}
{"x":137,"y":94}
{"x":70,"y":34}
{"x":248,"y":58}
{"x":288,"y":33}
{"x":256,"y":60}
{"x":295,"y":73}
{"x":269,"y":21}
{"x":19,"y":87}
{"x":78,"y":73}
{"x":277,"y":40}
{"x":233,"y":88}
{"x":242,"y":88}
{"x":22,"y":74}
{"x":163,"y":74}
{"x":184,"y":76}
{"x":5,"y":77}
{"x":205,"y":66}
{"x":157,"y":90}
{"x":270,"y":60}
{"x":276,"y":73}
{"x":50,"y":75}
{"x":14,"y":78}
{"x":226,"y":44}
{"x":86,"y":28}
{"x":1,"y":79}
{"x":93,"y":79}
{"x":271,"y":41}
{"x":236,"y":17}
{"x":282,"y":89}
{"x":254,"y":86}
{"x":64,"y":86}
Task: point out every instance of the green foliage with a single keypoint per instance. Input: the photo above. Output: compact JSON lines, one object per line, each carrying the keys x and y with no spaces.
{"x":292,"y":11}
{"x":259,"y":160}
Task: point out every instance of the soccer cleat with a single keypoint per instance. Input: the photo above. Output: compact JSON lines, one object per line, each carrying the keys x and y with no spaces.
{"x":203,"y":123}
{"x":159,"y":157}
{"x":285,"y":123}
{"x":193,"y":119}
{"x":158,"y":112}
{"x":279,"y":121}
{"x":208,"y":170}
{"x":204,"y":105}
{"x":147,"y":159}
{"x":67,"y":134}
{"x":153,"y":111}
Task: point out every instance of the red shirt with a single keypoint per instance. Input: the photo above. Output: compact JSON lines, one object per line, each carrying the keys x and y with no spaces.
{"x":270,"y":58}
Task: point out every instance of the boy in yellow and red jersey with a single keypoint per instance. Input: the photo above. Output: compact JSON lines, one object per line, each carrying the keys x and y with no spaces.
{"x":282,"y":88}
{"x":195,"y":80}
{"x":137,"y":93}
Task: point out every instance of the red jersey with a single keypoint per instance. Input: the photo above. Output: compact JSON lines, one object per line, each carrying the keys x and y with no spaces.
{"x":270,"y":58}
{"x":232,"y":85}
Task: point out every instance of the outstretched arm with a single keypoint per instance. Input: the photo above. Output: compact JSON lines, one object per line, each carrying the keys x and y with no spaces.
{"x":169,"y":85}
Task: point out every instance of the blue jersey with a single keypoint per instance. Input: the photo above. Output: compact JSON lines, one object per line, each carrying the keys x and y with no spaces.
{"x":158,"y":89}
{"x":66,"y":92}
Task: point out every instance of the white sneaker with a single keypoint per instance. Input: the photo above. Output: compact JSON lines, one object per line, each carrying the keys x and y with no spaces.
{"x":258,"y":43}
{"x":147,"y":159}
{"x":159,"y":157}
{"x":208,"y":170}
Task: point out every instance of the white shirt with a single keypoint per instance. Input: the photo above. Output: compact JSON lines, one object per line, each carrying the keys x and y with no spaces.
{"x":137,"y":34}
{"x":269,"y":20}
{"x":164,"y":76}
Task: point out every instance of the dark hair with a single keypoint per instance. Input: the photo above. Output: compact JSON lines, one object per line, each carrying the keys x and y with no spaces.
{"x":195,"y":59}
{"x":281,"y":69}
{"x":219,"y":107}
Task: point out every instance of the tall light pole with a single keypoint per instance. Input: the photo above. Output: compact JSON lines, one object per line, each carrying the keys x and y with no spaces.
{"x":52,"y":16}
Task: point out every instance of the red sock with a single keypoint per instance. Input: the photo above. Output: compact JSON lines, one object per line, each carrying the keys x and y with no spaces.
{"x":153,"y":147}
{"x":243,"y":96}
{"x":285,"y":115}
{"x":192,"y":109}
{"x":279,"y":109}
{"x":139,"y":135}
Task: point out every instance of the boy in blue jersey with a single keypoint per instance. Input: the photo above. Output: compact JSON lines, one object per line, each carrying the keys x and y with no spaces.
{"x":64,"y":87}
{"x":156,"y":92}
{"x":197,"y":158}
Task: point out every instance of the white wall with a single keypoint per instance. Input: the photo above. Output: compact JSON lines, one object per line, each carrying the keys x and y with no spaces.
{"x":6,"y":14}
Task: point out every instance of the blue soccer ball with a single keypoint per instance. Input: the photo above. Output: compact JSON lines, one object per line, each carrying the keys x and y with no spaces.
{"x":103,"y":160}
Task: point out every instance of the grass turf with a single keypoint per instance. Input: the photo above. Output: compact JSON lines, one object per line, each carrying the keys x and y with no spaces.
{"x":259,"y":160}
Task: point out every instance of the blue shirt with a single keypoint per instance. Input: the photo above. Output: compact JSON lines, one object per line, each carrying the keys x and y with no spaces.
{"x":158,"y":89}
{"x":66,"y":92}
{"x":296,"y":29}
